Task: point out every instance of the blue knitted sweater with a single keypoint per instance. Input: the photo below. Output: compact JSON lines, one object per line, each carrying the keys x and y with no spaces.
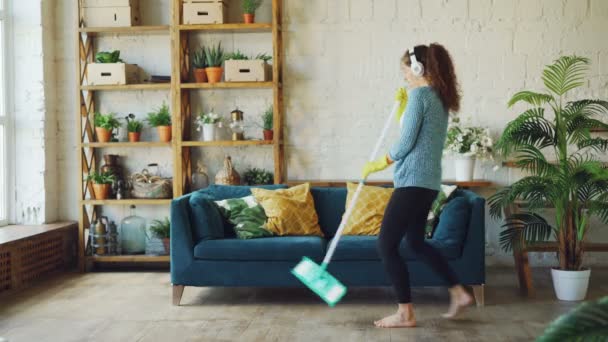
{"x":418,"y":152}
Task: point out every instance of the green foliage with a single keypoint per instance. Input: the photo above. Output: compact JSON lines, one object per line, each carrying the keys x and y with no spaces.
{"x":215,"y":56}
{"x":250,"y":6}
{"x":267,"y":118}
{"x":575,"y":184}
{"x":238,"y":55}
{"x":133,"y":125}
{"x":101,"y":178}
{"x":198,"y":59}
{"x":587,"y":322}
{"x":161,"y":229}
{"x":106,"y":121}
{"x":263,"y":57}
{"x":160,"y":117}
{"x":257,"y":176}
{"x":108,"y":57}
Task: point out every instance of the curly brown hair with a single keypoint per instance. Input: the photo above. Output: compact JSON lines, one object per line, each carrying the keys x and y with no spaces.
{"x":439,"y":70}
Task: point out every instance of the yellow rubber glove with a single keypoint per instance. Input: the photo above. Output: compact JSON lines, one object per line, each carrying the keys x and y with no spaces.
{"x":401,"y":96}
{"x":376,"y":166}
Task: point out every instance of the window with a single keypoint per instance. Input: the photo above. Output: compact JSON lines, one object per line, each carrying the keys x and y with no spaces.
{"x":5,"y":131}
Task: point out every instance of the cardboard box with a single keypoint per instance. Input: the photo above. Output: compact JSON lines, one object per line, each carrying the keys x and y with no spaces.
{"x":109,"y":3}
{"x":247,"y":71}
{"x":205,"y":12}
{"x":112,"y":16}
{"x":112,"y":73}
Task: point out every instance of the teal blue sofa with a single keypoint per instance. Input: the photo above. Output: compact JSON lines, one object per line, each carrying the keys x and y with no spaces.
{"x":205,"y":252}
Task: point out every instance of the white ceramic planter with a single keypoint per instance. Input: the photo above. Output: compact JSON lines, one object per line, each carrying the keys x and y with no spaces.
{"x":464,"y":167}
{"x":570,"y":285}
{"x":209,"y":131}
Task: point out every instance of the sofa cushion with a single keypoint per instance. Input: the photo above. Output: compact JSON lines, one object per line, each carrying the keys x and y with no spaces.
{"x":329,"y":204}
{"x":207,"y":222}
{"x":366,"y":217}
{"x":443,"y":197}
{"x":284,"y":248}
{"x":247,"y":216}
{"x":453,"y":222}
{"x":365,"y":248}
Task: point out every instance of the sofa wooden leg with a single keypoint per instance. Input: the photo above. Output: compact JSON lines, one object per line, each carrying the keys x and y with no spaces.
{"x":478,"y":292}
{"x":178,"y":291}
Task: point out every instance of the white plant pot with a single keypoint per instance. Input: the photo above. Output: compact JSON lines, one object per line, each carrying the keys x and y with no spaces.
{"x":465,"y":166}
{"x":209,"y":131}
{"x":570,"y":285}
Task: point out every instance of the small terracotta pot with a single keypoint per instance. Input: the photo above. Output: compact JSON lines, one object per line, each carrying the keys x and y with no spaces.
{"x":214,"y":74}
{"x":268,"y":134}
{"x":101,"y":191}
{"x":167,"y":244}
{"x":164,"y":133}
{"x":249,"y":18}
{"x":200,"y":75}
{"x":134,"y":136}
{"x":103,"y":135}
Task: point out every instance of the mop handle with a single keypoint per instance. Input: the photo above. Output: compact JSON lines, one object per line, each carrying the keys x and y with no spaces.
{"x":351,"y":206}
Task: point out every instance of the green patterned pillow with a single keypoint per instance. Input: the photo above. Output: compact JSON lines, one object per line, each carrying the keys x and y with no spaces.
{"x":247,"y":216}
{"x":442,"y":198}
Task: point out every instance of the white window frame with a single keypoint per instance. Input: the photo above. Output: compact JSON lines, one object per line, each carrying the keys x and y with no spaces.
{"x":6,"y":109}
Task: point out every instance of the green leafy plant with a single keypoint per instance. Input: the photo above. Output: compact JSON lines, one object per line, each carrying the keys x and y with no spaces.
{"x":101,"y":178}
{"x":250,"y":6}
{"x":238,"y":55}
{"x":106,"y":121}
{"x":198,"y":59}
{"x":587,"y":322}
{"x":108,"y":57}
{"x":267,"y":119}
{"x":263,"y":57}
{"x":160,"y":117}
{"x":215,"y":56}
{"x":161,"y":228}
{"x":134,"y":126}
{"x":257,"y":176}
{"x":576,"y":184}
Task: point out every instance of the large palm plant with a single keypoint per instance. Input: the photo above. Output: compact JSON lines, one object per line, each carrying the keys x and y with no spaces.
{"x":575,"y":184}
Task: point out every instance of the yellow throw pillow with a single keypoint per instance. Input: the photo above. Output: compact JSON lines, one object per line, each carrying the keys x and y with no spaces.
{"x":290,"y":211}
{"x":367,"y":215}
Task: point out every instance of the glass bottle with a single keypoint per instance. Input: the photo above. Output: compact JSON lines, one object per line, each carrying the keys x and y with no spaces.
{"x":133,"y":234}
{"x":200,"y":179}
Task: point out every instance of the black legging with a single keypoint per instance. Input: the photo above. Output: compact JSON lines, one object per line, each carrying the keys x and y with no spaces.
{"x":406,"y":213}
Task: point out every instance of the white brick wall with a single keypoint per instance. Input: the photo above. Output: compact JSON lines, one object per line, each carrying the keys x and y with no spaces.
{"x":341,"y":69}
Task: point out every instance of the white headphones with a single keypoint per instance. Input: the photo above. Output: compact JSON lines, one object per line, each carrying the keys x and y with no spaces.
{"x":417,"y":67}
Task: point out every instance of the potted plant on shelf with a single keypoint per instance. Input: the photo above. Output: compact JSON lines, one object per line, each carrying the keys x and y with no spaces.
{"x":161,"y":119}
{"x":257,"y":176}
{"x":267,"y":124}
{"x":214,"y":57}
{"x":249,"y":8}
{"x":465,"y":145}
{"x":199,"y":64}
{"x":162,"y":230}
{"x":208,"y":122}
{"x":575,"y":184}
{"x":134,"y":127}
{"x":241,"y":68}
{"x":109,"y":69}
{"x":104,"y":125}
{"x":102,"y":184}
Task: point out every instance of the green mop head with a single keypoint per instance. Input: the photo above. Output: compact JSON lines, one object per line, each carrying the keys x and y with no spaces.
{"x":319,"y":281}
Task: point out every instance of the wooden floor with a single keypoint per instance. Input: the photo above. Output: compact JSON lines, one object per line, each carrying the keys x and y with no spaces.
{"x":137,"y":307}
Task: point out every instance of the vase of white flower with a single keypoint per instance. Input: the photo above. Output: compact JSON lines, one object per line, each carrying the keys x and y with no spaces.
{"x":209,"y":122}
{"x":466,"y":145}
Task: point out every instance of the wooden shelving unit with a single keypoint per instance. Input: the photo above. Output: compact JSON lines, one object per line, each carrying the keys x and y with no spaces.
{"x":180,"y":88}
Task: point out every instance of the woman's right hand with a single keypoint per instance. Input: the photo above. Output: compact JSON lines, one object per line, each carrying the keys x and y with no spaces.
{"x":401,"y":96}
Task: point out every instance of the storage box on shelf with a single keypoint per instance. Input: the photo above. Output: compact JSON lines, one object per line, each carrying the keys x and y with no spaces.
{"x":205,"y":12}
{"x":112,"y":73}
{"x":247,"y":71}
{"x":110,"y":13}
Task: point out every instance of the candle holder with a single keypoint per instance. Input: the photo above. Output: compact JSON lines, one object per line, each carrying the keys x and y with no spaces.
{"x":237,"y":125}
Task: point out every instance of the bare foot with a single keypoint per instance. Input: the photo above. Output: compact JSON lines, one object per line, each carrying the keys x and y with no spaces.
{"x":459,"y":299}
{"x":404,"y":318}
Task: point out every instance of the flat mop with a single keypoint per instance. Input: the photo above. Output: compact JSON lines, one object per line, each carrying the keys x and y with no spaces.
{"x":316,"y":277}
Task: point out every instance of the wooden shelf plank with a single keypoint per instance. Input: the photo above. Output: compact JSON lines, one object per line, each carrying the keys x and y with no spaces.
{"x":126,"y":144}
{"x":142,"y":86}
{"x":342,"y":183}
{"x":133,"y":201}
{"x":598,"y":130}
{"x":126,"y":30}
{"x":227,"y":85}
{"x":13,"y":233}
{"x":226,"y":143}
{"x":240,"y":27}
{"x":128,"y":258}
{"x":512,"y":163}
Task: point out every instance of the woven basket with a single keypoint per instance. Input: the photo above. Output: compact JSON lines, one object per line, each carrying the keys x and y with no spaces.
{"x":228,"y":175}
{"x":148,"y":186}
